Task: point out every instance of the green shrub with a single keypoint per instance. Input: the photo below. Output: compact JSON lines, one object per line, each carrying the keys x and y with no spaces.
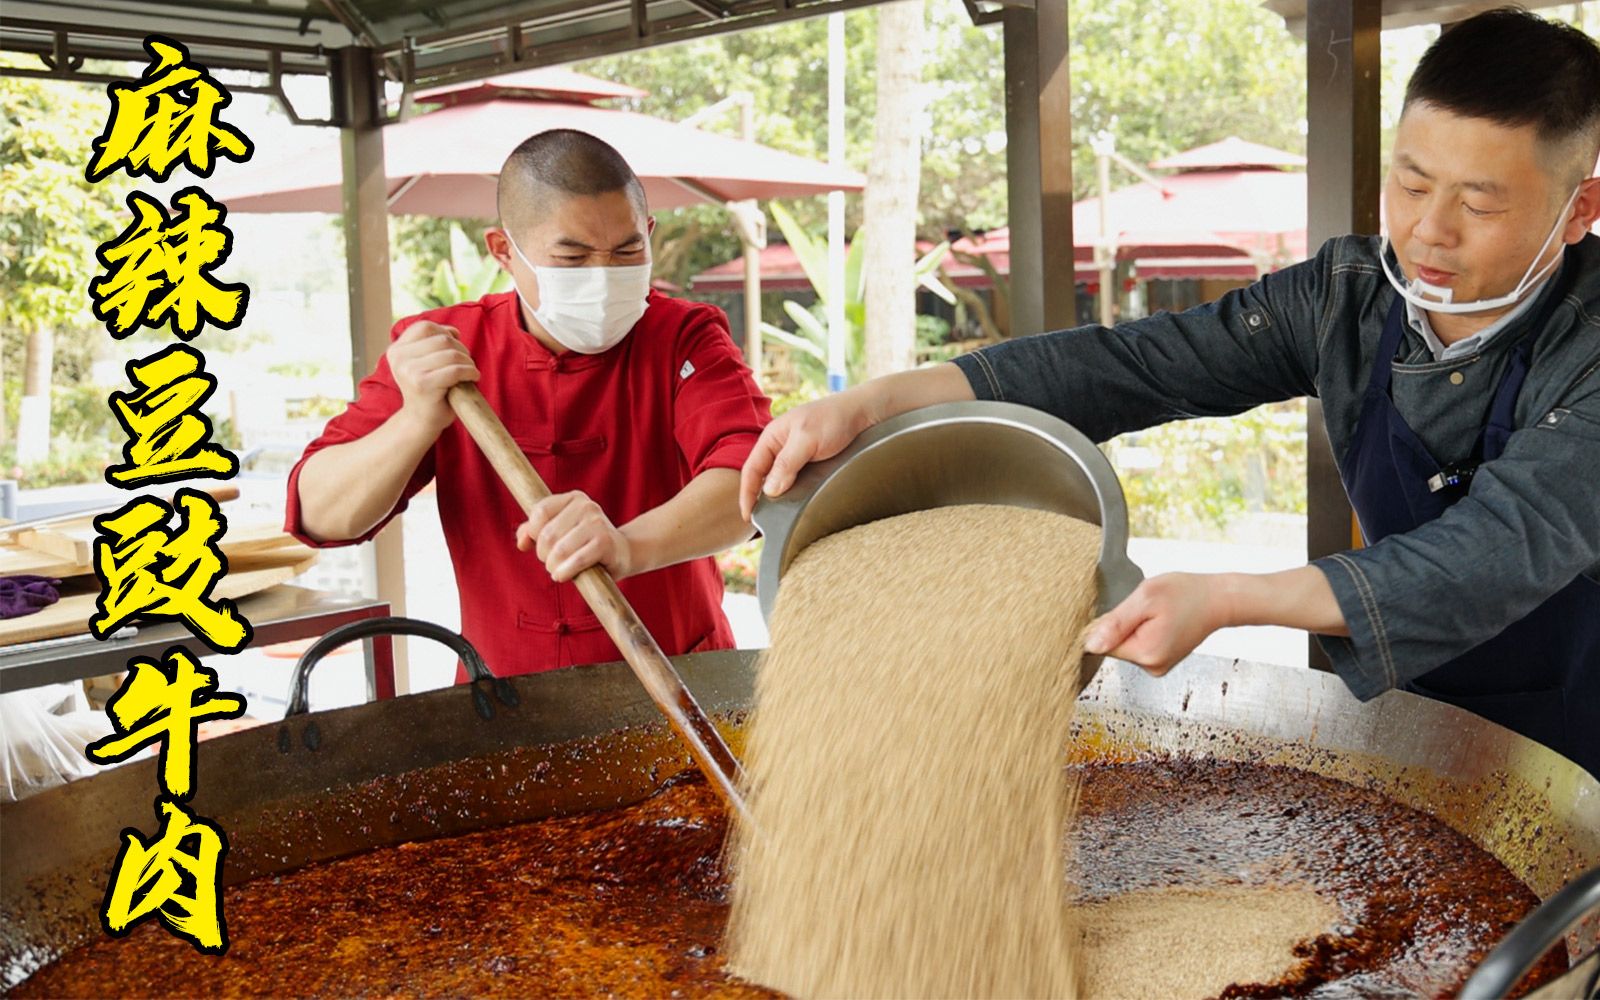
{"x":69,"y":463}
{"x":739,"y":566}
{"x":806,"y":392}
{"x":1207,"y":472}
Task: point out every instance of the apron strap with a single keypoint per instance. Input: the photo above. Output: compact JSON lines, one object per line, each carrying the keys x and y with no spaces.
{"x":1503,"y":409}
{"x":1502,"y":412}
{"x":1388,"y":347}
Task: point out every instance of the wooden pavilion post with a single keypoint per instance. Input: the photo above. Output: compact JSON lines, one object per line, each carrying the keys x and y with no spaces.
{"x":1043,"y":292}
{"x":1343,"y":74}
{"x":358,"y":91}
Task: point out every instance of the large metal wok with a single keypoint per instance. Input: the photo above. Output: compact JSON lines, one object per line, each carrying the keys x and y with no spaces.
{"x":328,"y":784}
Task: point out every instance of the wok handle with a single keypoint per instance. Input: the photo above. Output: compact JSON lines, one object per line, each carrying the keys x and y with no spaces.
{"x":471,"y":659}
{"x":621,"y":622}
{"x":1528,"y":942}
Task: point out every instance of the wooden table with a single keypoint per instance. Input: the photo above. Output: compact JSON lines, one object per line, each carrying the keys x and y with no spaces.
{"x":279,"y":614}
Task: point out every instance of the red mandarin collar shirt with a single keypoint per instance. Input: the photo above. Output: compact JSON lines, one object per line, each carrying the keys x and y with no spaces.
{"x":630,"y":427}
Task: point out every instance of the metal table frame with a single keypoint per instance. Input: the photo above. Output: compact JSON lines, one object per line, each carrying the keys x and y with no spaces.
{"x":280,"y":614}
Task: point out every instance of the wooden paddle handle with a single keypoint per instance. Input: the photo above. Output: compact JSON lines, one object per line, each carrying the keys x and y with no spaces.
{"x":607,"y":602}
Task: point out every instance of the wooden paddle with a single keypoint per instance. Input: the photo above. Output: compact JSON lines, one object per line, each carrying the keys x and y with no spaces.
{"x":621,"y":622}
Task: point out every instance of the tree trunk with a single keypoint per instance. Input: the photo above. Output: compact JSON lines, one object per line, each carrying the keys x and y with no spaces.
{"x":893,"y":181}
{"x":33,"y":418}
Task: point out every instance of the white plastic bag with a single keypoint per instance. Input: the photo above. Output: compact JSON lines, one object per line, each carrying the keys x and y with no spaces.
{"x":42,"y":735}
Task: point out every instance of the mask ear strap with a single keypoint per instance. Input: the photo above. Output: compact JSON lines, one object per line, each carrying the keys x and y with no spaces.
{"x":1543,"y":273}
{"x":1528,"y":276}
{"x":534,"y":267}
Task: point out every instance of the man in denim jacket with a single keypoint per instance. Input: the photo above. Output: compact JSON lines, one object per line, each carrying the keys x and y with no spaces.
{"x":1459,"y":373}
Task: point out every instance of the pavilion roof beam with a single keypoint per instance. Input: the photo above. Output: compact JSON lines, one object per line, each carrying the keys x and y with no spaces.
{"x":440,"y":42}
{"x":546,"y":37}
{"x":354,"y":21}
{"x":709,"y":8}
{"x":985,"y":12}
{"x":221,"y":35}
{"x":63,"y":57}
{"x":1403,"y":13}
{"x":357,"y":24}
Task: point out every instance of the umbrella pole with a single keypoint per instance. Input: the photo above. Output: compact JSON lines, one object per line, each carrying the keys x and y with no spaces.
{"x":838,"y":329}
{"x":752,"y":302}
{"x":1108,"y":312}
{"x":752,"y":258}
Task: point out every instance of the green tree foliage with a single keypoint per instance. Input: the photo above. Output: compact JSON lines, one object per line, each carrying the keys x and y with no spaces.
{"x":1167,"y":75}
{"x":785,"y":70}
{"x":51,"y":221}
{"x":466,"y":274}
{"x":421,"y":243}
{"x":1164,"y":75}
{"x":784,"y":67}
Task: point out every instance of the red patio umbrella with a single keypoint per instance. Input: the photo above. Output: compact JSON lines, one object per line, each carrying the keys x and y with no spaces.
{"x":1229,"y":211}
{"x":445,"y":162}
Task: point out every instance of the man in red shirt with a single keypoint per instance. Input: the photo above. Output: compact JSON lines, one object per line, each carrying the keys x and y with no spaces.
{"x":635,"y":408}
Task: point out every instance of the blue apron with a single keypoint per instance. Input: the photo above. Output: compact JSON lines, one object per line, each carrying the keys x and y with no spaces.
{"x":1540,"y":676}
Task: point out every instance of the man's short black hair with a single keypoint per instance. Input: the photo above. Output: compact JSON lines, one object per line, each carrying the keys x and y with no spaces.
{"x":1517,"y":69}
{"x":557,"y":163}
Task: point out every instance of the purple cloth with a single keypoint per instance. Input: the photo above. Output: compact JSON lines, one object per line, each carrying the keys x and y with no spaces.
{"x":23,"y":595}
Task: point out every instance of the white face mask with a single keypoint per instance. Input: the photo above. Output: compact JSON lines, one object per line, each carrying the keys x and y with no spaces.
{"x":588,"y":309}
{"x":1440,"y":300}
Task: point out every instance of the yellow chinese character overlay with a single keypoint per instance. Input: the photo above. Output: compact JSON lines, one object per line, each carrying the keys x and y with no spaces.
{"x":171,"y":438}
{"x":158,"y":268}
{"x":181,"y":886}
{"x":166,"y":116}
{"x":158,"y":705}
{"x":145,"y":569}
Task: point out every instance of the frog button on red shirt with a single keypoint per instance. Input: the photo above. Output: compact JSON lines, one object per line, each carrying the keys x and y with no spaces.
{"x":630,"y":427}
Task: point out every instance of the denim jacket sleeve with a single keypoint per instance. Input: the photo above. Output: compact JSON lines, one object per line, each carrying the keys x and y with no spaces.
{"x":1528,"y":526}
{"x":1254,"y":345}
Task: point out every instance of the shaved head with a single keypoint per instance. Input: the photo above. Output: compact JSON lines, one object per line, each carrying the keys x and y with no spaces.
{"x":558,"y":164}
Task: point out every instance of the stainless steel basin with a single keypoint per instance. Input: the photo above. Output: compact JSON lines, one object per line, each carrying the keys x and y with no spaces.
{"x":942,"y":456}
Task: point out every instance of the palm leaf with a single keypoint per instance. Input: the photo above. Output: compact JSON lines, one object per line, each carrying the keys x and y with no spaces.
{"x":793,"y":341}
{"x":855,"y":280}
{"x":813,"y":257}
{"x":929,"y":262}
{"x":807,"y":322}
{"x":463,"y":255}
